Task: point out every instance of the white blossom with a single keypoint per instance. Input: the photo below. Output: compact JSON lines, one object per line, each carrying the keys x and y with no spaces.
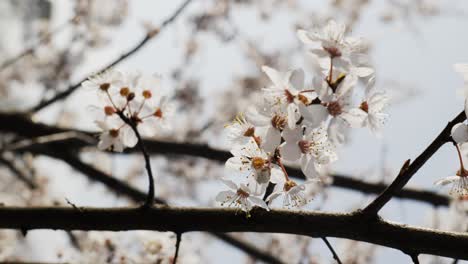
{"x":293,"y":195}
{"x":459,"y":184}
{"x":251,"y":160}
{"x":129,"y":99}
{"x":288,"y":92}
{"x":370,"y":111}
{"x":240,"y":196}
{"x":332,"y":48}
{"x":313,"y":149}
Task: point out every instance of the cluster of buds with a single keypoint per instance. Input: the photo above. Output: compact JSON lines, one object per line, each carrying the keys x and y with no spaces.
{"x":129,"y":101}
{"x":302,"y":123}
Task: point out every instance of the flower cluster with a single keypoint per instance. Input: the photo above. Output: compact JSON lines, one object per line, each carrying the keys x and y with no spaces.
{"x":459,"y":135}
{"x":130,"y":101}
{"x":302,"y":123}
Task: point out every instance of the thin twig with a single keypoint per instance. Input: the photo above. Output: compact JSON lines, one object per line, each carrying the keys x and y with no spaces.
{"x":177,"y":246}
{"x":150,"y":35}
{"x":408,"y":170}
{"x":19,"y":174}
{"x":44,"y":38}
{"x":332,"y":250}
{"x":141,"y":145}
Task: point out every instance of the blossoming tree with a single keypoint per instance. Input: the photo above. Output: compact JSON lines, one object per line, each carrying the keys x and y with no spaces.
{"x":288,"y":129}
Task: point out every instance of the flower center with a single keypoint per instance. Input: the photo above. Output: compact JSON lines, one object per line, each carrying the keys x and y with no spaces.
{"x":249,"y":132}
{"x":158,"y":113}
{"x":333,"y":51}
{"x":303,"y":99}
{"x":278,"y":122}
{"x":304,"y":146}
{"x":289,"y":96}
{"x":258,"y":163}
{"x":242,"y":193}
{"x":114,"y":133}
{"x":364,"y":106}
{"x":334,"y":108}
{"x":289,"y":185}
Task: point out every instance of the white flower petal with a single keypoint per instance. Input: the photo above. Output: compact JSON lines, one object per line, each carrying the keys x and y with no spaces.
{"x":290,"y":151}
{"x":229,"y":184}
{"x":460,"y":133}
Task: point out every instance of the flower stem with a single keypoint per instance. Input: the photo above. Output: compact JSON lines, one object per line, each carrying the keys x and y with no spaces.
{"x":330,"y":73}
{"x":462,"y":169}
{"x":150,"y":197}
{"x":278,"y":161}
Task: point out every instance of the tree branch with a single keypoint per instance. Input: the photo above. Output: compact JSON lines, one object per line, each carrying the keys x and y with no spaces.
{"x":150,"y":35}
{"x":408,"y":170}
{"x":315,"y":224}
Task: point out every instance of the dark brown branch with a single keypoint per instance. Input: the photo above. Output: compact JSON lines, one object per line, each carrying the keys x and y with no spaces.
{"x":177,"y":247}
{"x":24,"y":127}
{"x":150,"y":35}
{"x":408,"y":170}
{"x":175,"y":219}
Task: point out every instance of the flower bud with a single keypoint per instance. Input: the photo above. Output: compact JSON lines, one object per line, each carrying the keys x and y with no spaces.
{"x":130,"y":96}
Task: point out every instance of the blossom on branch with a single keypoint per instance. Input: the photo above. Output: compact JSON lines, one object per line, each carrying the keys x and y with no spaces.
{"x":129,"y":101}
{"x":240,"y":196}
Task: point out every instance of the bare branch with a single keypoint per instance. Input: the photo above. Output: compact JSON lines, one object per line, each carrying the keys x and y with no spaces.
{"x":332,"y":250}
{"x":354,"y":226}
{"x":408,"y":170}
{"x":20,"y":174}
{"x":150,"y":35}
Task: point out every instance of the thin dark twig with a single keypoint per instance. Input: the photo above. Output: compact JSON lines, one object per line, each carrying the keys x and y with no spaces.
{"x":44,"y":38}
{"x":150,"y":35}
{"x":332,"y":250}
{"x":408,"y":170}
{"x":150,"y":197}
{"x":177,"y":246}
{"x":25,"y":179}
